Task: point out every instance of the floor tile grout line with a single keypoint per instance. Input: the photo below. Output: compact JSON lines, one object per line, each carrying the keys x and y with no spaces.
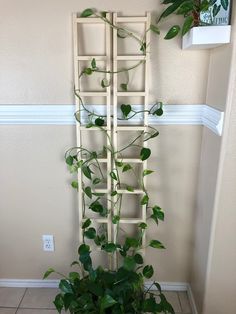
{"x":21,"y":300}
{"x":180,"y":302}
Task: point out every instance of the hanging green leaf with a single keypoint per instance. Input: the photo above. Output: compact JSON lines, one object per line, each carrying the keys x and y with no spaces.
{"x":151,"y":306}
{"x":156,"y":244}
{"x":96,"y":207}
{"x":126,"y":167}
{"x":171,"y":9}
{"x":87,"y":172}
{"x":119,"y":164}
{"x":143,"y":47}
{"x":124,"y":87}
{"x":142,"y":225}
{"x":158,"y":213}
{"x":115,"y":219}
{"x":65,"y":286}
{"x":138,"y":258}
{"x":145,"y":199}
{"x":69,"y":160}
{"x":155,"y":29}
{"x":73,"y":168}
{"x":86,"y":224}
{"x":154,"y":134}
{"x":48,"y":272}
{"x":96,"y":181}
{"x":185,"y":8}
{"x":106,"y":302}
{"x":88,"y":71}
{"x":99,"y":122}
{"x":126,"y":109}
{"x":79,"y":163}
{"x":148,"y":271}
{"x":146,"y":172}
{"x":105,"y":83}
{"x":74,"y":263}
{"x":188,"y":23}
{"x":75,"y":184}
{"x":88,"y":191}
{"x":129,"y":263}
{"x":122,"y":33}
{"x":59,"y":302}
{"x":109,"y":247}
{"x":157,"y":286}
{"x":87,"y":12}
{"x":225,"y":4}
{"x":93,"y":63}
{"x":204,"y":5}
{"x":90,"y":233}
{"x":113,"y":193}
{"x":131,"y":242}
{"x":129,"y":188}
{"x":83,"y":249}
{"x":173,"y":31}
{"x":145,"y":153}
{"x":113,"y":175}
{"x":158,"y":112}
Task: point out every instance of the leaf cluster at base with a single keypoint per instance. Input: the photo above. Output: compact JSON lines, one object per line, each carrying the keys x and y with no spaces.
{"x":102,"y":291}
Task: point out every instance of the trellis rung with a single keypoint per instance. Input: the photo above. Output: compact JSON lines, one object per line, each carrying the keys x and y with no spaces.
{"x":100,"y":191}
{"x":135,"y":191}
{"x":89,"y":20}
{"x":97,"y":220}
{"x":88,"y":58}
{"x":130,"y":221}
{"x":131,"y":58}
{"x":84,"y":128}
{"x":127,"y":94}
{"x":131,"y":128}
{"x":130,"y":160}
{"x":131,"y":19}
{"x":101,"y":160}
{"x":92,"y":94}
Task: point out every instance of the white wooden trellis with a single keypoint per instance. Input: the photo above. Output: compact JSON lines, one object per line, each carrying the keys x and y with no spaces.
{"x":119,"y":21}
{"x":112,"y":127}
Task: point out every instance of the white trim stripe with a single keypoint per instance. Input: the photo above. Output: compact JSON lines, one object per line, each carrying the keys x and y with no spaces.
{"x":64,"y":115}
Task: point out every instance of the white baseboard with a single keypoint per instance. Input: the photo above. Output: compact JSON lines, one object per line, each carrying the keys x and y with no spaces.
{"x":29,"y":283}
{"x":38,"y":283}
{"x":192,"y":300}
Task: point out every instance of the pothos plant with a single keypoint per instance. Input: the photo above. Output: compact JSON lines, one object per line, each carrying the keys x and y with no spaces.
{"x":191,"y":11}
{"x":118,"y":289}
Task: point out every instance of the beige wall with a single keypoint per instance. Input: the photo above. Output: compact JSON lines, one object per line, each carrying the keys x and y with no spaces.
{"x":204,"y":211}
{"x":36,"y":68}
{"x":36,"y":54}
{"x":214,"y":176}
{"x":221,"y":271}
{"x":36,"y":199}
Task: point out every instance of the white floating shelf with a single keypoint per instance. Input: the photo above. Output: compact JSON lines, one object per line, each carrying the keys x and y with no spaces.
{"x":205,"y":37}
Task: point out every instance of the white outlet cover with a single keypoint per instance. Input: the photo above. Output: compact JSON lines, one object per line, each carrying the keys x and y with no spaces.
{"x":48,"y":242}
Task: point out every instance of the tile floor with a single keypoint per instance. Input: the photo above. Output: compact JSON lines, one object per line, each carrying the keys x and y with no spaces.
{"x":39,"y":301}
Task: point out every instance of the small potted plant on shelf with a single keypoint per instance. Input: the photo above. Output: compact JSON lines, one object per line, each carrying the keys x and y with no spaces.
{"x":120,"y":287}
{"x":195,"y":13}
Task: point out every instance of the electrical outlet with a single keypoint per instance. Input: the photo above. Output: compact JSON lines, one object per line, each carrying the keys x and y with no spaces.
{"x":48,"y":242}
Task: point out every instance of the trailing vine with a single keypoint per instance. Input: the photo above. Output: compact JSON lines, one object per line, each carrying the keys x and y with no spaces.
{"x":119,"y":290}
